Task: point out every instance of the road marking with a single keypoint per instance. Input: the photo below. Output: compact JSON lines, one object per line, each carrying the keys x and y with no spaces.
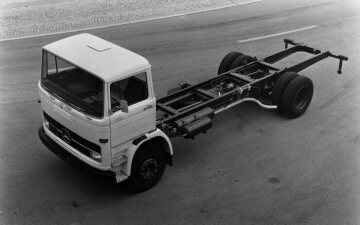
{"x":248,"y":2}
{"x":133,"y":22}
{"x":277,"y":34}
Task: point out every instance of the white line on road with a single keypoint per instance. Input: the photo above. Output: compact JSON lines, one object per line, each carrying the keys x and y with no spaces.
{"x":248,"y":2}
{"x":132,"y":22}
{"x":277,"y":34}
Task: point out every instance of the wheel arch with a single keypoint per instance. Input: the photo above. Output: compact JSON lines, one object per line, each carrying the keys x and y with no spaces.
{"x":159,"y":139}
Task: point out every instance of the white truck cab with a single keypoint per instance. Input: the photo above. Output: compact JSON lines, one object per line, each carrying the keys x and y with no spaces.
{"x":99,"y":109}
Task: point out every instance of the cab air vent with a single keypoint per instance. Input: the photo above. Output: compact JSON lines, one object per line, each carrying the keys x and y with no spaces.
{"x":99,"y":46}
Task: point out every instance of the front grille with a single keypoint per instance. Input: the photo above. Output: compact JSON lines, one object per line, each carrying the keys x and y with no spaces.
{"x":82,"y":145}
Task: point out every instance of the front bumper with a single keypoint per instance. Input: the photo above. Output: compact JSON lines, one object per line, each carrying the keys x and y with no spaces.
{"x":68,"y":157}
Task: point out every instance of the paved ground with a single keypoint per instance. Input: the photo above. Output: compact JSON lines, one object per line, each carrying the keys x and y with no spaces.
{"x":254,"y":167}
{"x":31,"y":17}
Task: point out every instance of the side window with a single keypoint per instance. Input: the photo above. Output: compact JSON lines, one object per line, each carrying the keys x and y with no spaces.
{"x":133,"y":90}
{"x":51,"y":64}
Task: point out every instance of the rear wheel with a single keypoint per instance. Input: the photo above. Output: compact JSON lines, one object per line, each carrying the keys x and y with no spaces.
{"x":227,"y":60}
{"x":279,"y":89}
{"x":173,"y":90}
{"x":147,"y":168}
{"x":297,"y":96}
{"x":241,"y":60}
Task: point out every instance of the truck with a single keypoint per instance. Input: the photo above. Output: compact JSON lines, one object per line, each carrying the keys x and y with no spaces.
{"x":100,"y":112}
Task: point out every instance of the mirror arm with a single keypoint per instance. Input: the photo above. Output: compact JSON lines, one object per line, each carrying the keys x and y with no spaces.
{"x":124,"y":106}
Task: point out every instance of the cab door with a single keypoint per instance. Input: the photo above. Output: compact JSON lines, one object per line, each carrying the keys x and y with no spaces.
{"x":140,"y":118}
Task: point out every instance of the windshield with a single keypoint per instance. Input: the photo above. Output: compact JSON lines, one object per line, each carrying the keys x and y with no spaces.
{"x":72,"y":85}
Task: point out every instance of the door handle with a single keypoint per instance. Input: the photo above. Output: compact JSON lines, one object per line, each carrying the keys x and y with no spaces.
{"x":148,"y":107}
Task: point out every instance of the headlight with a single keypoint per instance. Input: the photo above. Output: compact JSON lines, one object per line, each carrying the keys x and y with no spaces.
{"x":95,"y":155}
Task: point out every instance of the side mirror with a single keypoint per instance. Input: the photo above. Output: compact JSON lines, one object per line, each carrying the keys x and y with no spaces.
{"x":124,"y":106}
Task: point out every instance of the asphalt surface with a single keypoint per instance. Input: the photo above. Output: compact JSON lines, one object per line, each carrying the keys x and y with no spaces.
{"x":27,"y":18}
{"x":253,"y":167}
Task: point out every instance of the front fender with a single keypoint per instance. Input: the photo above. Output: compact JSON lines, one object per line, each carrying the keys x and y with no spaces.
{"x":156,"y":136}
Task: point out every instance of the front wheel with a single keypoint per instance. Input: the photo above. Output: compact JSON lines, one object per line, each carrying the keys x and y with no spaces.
{"x":147,"y":168}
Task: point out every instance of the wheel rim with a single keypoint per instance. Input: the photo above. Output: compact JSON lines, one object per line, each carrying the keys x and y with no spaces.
{"x":301,"y":99}
{"x":148,"y":169}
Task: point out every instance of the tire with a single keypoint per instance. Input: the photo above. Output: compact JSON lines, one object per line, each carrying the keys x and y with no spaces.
{"x":241,"y":61}
{"x":279,"y":89}
{"x":227,"y":60}
{"x":147,"y":168}
{"x":297,"y":96}
{"x":173,"y":90}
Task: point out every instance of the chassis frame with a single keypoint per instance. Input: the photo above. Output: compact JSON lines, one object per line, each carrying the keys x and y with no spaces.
{"x":253,"y":81}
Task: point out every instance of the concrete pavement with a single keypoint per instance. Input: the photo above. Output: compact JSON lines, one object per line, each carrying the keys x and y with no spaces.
{"x":23,"y":18}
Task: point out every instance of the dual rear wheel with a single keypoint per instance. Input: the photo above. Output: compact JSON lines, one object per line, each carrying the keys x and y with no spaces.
{"x":291,"y":93}
{"x":233,"y":60}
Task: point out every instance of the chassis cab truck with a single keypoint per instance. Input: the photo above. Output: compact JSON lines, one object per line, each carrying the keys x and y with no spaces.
{"x":100,"y":112}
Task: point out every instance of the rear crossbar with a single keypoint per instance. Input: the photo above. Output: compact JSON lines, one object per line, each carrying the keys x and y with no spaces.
{"x":299,"y":47}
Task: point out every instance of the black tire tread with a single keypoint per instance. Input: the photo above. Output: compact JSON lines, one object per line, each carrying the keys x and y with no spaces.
{"x":227,"y":60}
{"x":290,"y":92}
{"x":279,"y":89}
{"x":241,"y":61}
{"x":133,"y":184}
{"x":173,"y":90}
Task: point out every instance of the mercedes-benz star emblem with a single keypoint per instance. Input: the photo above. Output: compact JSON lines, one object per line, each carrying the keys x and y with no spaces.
{"x":65,"y":135}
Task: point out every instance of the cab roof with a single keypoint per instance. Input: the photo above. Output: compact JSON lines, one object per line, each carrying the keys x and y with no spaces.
{"x":98,"y":56}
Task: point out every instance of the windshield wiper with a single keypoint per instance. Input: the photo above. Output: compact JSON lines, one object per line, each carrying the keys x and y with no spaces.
{"x":48,"y":89}
{"x":65,"y":101}
{"x":52,"y":93}
{"x":60,"y":98}
{"x":69,"y":103}
{"x":75,"y":107}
